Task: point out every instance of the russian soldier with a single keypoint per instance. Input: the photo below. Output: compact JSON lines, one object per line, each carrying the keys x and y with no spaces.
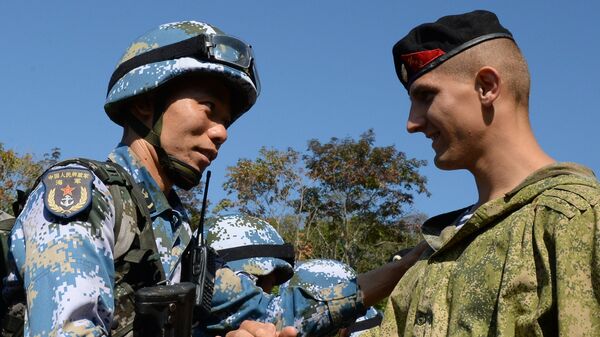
{"x":522,"y":260}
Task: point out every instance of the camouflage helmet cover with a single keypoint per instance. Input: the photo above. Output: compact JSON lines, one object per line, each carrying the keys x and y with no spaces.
{"x":239,"y":230}
{"x":151,"y":76}
{"x":317,"y":274}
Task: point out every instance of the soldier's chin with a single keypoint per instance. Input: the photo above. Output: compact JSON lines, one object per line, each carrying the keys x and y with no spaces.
{"x":201,"y":167}
{"x":443,"y":163}
{"x":200,"y":163}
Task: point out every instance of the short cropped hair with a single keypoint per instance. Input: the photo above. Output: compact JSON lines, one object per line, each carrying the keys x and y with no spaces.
{"x":502,"y":54}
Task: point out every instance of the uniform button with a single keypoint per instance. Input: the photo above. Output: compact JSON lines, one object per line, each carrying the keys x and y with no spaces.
{"x":421,"y":319}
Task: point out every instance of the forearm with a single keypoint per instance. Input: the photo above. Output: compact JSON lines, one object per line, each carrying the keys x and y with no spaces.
{"x":377,"y":284}
{"x":69,"y":303}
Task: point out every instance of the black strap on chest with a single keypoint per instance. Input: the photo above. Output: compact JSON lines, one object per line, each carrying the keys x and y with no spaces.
{"x":7,"y":322}
{"x":366,"y":324}
{"x":143,"y":250}
{"x":7,"y":224}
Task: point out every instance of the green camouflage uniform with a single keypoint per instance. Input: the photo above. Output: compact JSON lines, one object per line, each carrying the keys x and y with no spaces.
{"x":526,"y":264}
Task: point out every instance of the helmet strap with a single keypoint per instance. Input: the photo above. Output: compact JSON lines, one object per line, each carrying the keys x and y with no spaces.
{"x":181,"y":174}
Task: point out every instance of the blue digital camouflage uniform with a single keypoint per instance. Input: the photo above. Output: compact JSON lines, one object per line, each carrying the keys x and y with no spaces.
{"x":525,"y":264}
{"x":67,"y":266}
{"x":312,"y":310}
{"x":312,"y":313}
{"x":68,"y":272}
{"x":322,"y":275}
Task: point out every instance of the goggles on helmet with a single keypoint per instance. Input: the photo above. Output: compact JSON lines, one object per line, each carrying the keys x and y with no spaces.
{"x":223,"y":49}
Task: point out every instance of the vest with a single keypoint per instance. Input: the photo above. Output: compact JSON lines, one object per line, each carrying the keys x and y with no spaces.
{"x":137,"y":263}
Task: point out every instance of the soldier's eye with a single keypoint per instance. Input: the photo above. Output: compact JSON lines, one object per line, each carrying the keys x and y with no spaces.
{"x":424,"y":96}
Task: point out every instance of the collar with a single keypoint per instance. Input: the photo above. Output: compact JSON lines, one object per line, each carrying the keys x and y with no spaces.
{"x":440,"y":231}
{"x":157,"y":201}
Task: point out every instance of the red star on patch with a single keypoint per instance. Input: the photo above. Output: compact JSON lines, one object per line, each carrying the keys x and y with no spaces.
{"x":68,"y":190}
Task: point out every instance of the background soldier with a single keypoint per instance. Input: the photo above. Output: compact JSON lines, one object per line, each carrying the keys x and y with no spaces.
{"x":253,"y":247}
{"x":523,"y":260}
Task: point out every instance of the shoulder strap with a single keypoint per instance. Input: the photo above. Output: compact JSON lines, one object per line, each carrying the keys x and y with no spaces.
{"x":6,"y":225}
{"x":10,"y":324}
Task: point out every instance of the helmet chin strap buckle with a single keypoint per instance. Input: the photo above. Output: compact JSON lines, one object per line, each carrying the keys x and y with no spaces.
{"x":181,"y":174}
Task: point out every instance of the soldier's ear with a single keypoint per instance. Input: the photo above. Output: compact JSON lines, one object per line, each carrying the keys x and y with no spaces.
{"x":142,"y":108}
{"x":487,"y":83}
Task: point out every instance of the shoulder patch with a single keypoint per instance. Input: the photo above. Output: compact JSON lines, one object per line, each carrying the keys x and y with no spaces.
{"x":559,"y":205}
{"x":68,"y":191}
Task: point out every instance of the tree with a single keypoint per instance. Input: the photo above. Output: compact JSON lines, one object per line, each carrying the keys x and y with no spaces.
{"x":20,"y":172}
{"x":265,"y":187}
{"x":345,"y":199}
{"x":192,"y":203}
{"x":362,"y":193}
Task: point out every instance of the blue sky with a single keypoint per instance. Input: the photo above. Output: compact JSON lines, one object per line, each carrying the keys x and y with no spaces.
{"x":325,"y":66}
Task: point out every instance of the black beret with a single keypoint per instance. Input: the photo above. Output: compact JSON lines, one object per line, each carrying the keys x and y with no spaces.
{"x":431,"y":44}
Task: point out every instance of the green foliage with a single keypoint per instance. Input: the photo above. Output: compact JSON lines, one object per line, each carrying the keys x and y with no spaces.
{"x":20,"y":172}
{"x":265,"y":187}
{"x":192,"y":202}
{"x":361,"y":193}
{"x":345,"y":199}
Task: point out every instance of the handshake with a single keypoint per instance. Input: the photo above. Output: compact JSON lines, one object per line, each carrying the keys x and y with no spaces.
{"x":258,"y":329}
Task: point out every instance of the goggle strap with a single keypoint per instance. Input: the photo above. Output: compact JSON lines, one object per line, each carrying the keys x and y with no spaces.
{"x":284,"y":252}
{"x":192,"y":46}
{"x":366,"y":324}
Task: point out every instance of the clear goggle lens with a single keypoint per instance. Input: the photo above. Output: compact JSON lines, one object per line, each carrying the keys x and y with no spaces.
{"x":232,"y":51}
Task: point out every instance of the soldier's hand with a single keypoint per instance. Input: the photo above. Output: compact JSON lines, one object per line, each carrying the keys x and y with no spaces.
{"x":258,"y":329}
{"x":345,"y":332}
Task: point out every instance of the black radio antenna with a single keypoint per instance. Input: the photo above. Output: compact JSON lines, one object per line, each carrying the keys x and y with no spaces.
{"x":203,"y":210}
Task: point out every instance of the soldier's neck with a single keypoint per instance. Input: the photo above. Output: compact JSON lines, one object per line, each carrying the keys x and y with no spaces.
{"x":507,"y":168}
{"x":146,"y":153}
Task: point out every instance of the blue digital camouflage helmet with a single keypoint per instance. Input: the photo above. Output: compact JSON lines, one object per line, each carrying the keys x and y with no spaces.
{"x":182,"y":48}
{"x":250,"y":245}
{"x":318,"y":274}
{"x":175,"y":51}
